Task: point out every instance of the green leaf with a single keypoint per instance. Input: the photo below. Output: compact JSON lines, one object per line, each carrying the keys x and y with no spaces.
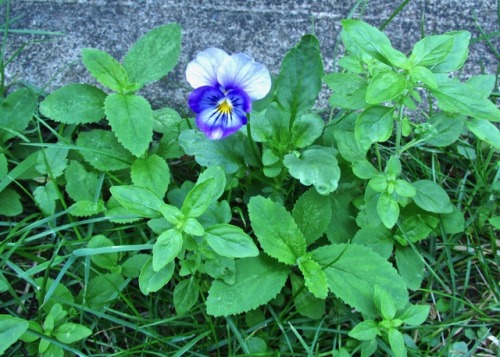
{"x":415,"y":315}
{"x":453,"y":222}
{"x":166,"y":248}
{"x":424,"y":75}
{"x":228,"y":153}
{"x":185,"y":296}
{"x":151,"y":281}
{"x":139,"y":200}
{"x":299,"y":81}
{"x":70,"y":332}
{"x":106,"y":260}
{"x":10,"y":203}
{"x":101,"y":149}
{"x":484,"y":131}
{"x":410,"y":266}
{"x":312,"y":213}
{"x":315,"y":166}
{"x":385,"y":86}
{"x":375,"y":124}
{"x":405,"y":189}
{"x":349,"y":147}
{"x":131,"y":119}
{"x":306,"y":129}
{"x":388,"y":210}
{"x":52,"y":161}
{"x":81,"y":185}
{"x":447,"y":129}
{"x":384,"y":303}
{"x":131,"y":268}
{"x":154,"y":54}
{"x":61,"y":294}
{"x":153,"y":173}
{"x":483,"y":84}
{"x":364,"y":169}
{"x":45,"y":197}
{"x":230,"y":241}
{"x":166,"y":120}
{"x":342,"y":226}
{"x":283,"y":241}
{"x":11,"y":329}
{"x":105,"y":69}
{"x":365,"y":331}
{"x":432,"y":197}
{"x":431,"y":50}
{"x":456,"y":97}
{"x":397,"y":343}
{"x":75,"y":104}
{"x":16,"y":112}
{"x":416,"y":227}
{"x":4,"y":168}
{"x":352,"y":273}
{"x":457,"y":55}
{"x":102,"y":289}
{"x":192,"y":227}
{"x":198,"y":199}
{"x":258,"y":280}
{"x":219,"y":180}
{"x":378,"y":238}
{"x":305,"y":302}
{"x":87,"y":208}
{"x":349,"y":90}
{"x":314,"y":276}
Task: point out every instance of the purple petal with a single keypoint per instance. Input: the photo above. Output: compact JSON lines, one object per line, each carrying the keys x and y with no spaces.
{"x":203,"y":98}
{"x":242,"y":72}
{"x":217,"y":124}
{"x":240,"y":99}
{"x":202,"y":71}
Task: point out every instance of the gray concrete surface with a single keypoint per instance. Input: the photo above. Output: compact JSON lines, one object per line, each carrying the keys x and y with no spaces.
{"x":264,"y":29}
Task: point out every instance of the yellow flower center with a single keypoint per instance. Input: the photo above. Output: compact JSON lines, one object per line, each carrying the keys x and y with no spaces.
{"x":225,"y":106}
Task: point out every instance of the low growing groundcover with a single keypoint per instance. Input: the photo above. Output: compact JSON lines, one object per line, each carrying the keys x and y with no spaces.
{"x":258,"y":224}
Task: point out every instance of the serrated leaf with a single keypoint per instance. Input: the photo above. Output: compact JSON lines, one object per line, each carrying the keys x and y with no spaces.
{"x":375,"y":124}
{"x":352,"y":273}
{"x":11,"y":329}
{"x":70,"y":332}
{"x":75,"y":104}
{"x":378,"y":238}
{"x":306,"y":129}
{"x":139,"y":200}
{"x":276,"y":230}
{"x":105,"y":69}
{"x":11,"y":203}
{"x":432,"y":197}
{"x":101,"y":149}
{"x":52,"y":161}
{"x":485,"y":131}
{"x":185,"y":296}
{"x":166,"y":248}
{"x":153,"y":173}
{"x":314,"y":277}
{"x":151,"y":281}
{"x":299,"y":81}
{"x":230,"y":241}
{"x":106,"y":260}
{"x":312,"y":213}
{"x":305,"y":302}
{"x":131,"y":119}
{"x":258,"y":280}
{"x":154,"y":54}
{"x":45,"y":197}
{"x":87,"y":208}
{"x":16,"y":112}
{"x":410,"y":266}
{"x":315,"y":166}
{"x":81,"y":185}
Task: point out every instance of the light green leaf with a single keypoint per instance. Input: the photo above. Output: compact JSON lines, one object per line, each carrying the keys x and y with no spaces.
{"x":378,"y":238}
{"x":10,"y":203}
{"x":299,"y":81}
{"x":342,"y":226}
{"x":305,"y":302}
{"x":101,"y":149}
{"x":410,"y":266}
{"x":16,"y":112}
{"x":106,"y":260}
{"x":457,"y":55}
{"x":166,"y":120}
{"x":198,"y":198}
{"x":352,"y":273}
{"x":151,"y":281}
{"x":153,"y":173}
{"x":349,"y":90}
{"x":314,"y":276}
{"x":388,"y":210}
{"x":131,"y":119}
{"x":312,"y":213}
{"x":52,"y":161}
{"x":102,"y":289}
{"x":405,"y":189}
{"x":11,"y":329}
{"x":384,"y":303}
{"x":217,"y":174}
{"x":139,"y":200}
{"x":192,"y":227}
{"x":61,"y":294}
{"x":185,"y":296}
{"x":364,"y":169}
{"x":4,"y":168}
{"x":45,"y":197}
{"x":315,"y":166}
{"x":230,"y":241}
{"x":81,"y":185}
{"x":385,"y":86}
{"x":75,"y":104}
{"x":154,"y":54}
{"x":105,"y":69}
{"x":416,"y":227}
{"x":258,"y":280}
{"x":424,"y":75}
{"x":349,"y":147}
{"x":70,"y":332}
{"x":397,"y":343}
{"x":365,"y":331}
{"x":87,"y":208}
{"x":306,"y":129}
{"x":375,"y":124}
{"x":131,"y":268}
{"x":415,"y":315}
{"x":431,"y":50}
{"x":483,"y":84}
{"x":283,"y":241}
{"x":484,"y":131}
{"x":453,"y":222}
{"x":432,"y":197}
{"x":166,"y":248}
{"x":447,"y":129}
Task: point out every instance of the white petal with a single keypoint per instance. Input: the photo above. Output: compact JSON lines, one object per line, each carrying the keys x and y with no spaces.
{"x":241,"y":71}
{"x":202,"y":71}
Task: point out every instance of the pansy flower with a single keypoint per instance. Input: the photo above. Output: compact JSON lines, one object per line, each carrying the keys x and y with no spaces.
{"x":224,"y":88}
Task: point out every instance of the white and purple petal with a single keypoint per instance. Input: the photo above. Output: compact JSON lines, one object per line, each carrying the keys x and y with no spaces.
{"x":240,"y":71}
{"x":204,"y":98}
{"x":202,"y":71}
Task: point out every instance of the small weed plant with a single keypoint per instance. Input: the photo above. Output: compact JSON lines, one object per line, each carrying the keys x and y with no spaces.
{"x":259,"y":225}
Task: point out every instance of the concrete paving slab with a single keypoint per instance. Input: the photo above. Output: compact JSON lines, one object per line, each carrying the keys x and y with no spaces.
{"x":264,"y":29}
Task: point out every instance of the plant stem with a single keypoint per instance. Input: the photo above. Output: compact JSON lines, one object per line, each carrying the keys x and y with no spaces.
{"x":399,"y":130}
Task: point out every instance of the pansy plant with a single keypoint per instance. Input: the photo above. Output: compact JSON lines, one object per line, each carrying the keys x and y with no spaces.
{"x":224,"y":88}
